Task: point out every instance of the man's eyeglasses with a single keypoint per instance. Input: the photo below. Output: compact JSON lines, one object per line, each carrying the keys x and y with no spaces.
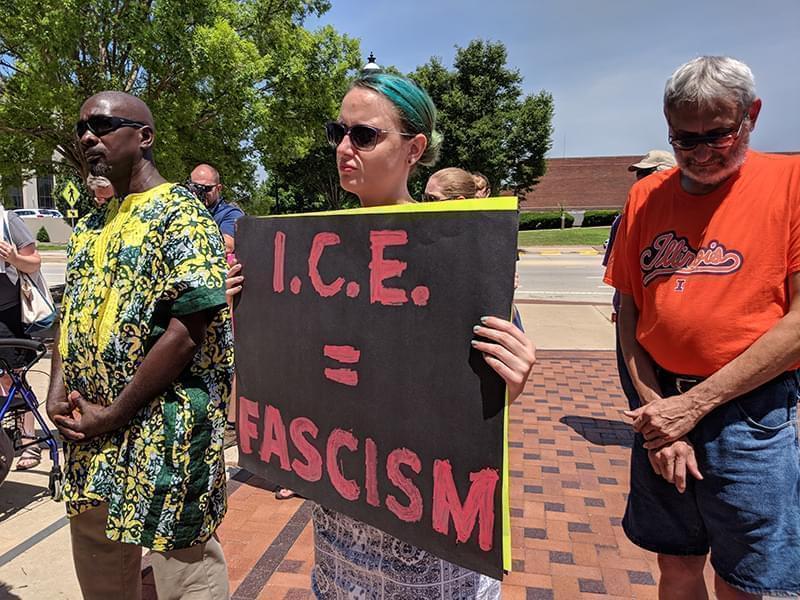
{"x":198,"y":189}
{"x":724,"y":139}
{"x":101,"y":125}
{"x":363,"y":137}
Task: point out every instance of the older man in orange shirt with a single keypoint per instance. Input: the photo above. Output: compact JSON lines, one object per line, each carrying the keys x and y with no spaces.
{"x":707,"y":261}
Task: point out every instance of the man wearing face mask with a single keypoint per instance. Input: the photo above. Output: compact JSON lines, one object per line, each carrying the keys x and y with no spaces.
{"x":707,"y":262}
{"x":205,"y":183}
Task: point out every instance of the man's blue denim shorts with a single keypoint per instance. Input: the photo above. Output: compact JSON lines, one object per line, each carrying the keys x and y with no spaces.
{"x":746,"y":510}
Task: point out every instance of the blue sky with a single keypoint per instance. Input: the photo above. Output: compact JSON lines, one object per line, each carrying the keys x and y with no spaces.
{"x":605,"y":62}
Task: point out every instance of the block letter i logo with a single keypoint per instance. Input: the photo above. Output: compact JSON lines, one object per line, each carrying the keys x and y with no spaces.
{"x":679,"y":283}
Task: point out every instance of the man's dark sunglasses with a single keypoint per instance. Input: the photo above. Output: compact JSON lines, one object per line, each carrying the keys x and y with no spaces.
{"x":101,"y":125}
{"x":724,"y":139}
{"x":199,"y":189}
{"x":363,"y":137}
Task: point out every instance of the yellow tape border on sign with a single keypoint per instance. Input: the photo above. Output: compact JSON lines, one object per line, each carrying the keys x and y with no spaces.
{"x":506,"y":484}
{"x":477,"y":204}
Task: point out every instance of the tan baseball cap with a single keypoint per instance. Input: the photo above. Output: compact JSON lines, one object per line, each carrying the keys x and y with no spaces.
{"x":655,"y":159}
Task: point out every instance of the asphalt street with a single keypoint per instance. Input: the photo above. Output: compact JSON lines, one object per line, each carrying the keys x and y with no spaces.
{"x":53,"y":272}
{"x":571,"y":277}
{"x":565,"y":277}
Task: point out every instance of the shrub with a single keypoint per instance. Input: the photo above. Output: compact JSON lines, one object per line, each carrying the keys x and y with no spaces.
{"x":595,"y":218}
{"x":42,"y":235}
{"x":544,"y":220}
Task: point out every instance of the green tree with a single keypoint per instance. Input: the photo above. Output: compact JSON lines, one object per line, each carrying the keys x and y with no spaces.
{"x":232,"y":83}
{"x":307,"y":179}
{"x":489,"y":125}
{"x":312,"y":182}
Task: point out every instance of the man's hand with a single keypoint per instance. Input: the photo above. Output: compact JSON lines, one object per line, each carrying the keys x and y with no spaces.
{"x":673,"y":461}
{"x":665,"y":420}
{"x":84,"y":421}
{"x":57,"y":407}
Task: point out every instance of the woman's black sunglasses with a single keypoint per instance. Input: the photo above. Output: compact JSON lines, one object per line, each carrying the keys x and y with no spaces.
{"x":363,"y":137}
{"x":101,"y":125}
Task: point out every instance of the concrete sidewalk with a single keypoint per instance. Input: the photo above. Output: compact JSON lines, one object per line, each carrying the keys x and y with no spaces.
{"x":561,"y":326}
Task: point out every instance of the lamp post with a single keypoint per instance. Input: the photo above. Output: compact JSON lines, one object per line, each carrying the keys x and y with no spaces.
{"x":372,"y":66}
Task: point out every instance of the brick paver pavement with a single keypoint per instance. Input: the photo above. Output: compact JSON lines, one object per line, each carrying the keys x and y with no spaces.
{"x":569,"y":457}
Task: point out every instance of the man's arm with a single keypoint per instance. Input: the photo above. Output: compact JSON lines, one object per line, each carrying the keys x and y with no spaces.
{"x":228,"y":227}
{"x":640,"y":365}
{"x":770,"y":355}
{"x":162,"y":365}
{"x":672,"y":461}
{"x":57,"y":403}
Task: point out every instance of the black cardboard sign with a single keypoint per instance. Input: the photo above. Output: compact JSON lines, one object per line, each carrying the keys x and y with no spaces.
{"x":357,"y":384}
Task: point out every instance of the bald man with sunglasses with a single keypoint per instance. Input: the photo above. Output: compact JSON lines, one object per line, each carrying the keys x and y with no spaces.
{"x":141,"y":372}
{"x":204,"y":182}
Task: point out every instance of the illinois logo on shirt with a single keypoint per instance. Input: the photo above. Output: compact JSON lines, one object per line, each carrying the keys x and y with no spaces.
{"x":670,"y":255}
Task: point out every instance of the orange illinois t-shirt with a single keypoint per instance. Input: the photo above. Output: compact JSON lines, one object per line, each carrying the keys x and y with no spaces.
{"x":709,"y":274}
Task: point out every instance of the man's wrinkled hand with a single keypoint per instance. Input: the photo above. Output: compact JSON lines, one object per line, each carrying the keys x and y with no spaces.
{"x":674,"y":461}
{"x":665,"y":420}
{"x":84,"y":421}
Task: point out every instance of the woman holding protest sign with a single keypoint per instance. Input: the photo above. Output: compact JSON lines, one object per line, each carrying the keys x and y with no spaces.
{"x":386,"y":127}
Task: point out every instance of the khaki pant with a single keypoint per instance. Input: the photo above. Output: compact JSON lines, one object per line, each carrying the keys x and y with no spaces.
{"x":109,"y":569}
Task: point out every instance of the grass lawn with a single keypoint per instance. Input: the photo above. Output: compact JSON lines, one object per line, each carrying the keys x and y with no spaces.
{"x":48,"y":246}
{"x":579,"y":236}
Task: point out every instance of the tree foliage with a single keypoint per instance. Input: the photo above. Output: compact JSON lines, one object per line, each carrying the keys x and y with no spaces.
{"x":231,"y":82}
{"x":489,"y":125}
{"x":312,"y":182}
{"x":307,"y":180}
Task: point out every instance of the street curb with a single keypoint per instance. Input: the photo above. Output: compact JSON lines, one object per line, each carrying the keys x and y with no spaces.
{"x":556,"y":250}
{"x":53,"y":256}
{"x":561,"y":302}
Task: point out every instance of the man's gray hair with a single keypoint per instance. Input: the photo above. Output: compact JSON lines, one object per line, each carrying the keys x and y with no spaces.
{"x":708,"y":79}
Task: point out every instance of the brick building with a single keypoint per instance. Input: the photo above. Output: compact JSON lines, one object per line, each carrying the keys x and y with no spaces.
{"x":582,"y":183}
{"x":594,"y":182}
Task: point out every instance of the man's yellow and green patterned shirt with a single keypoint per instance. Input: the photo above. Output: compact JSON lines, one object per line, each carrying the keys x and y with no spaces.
{"x":131,"y":266}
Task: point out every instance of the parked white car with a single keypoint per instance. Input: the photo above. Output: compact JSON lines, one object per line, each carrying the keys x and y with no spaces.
{"x":28,"y":213}
{"x":37,"y":213}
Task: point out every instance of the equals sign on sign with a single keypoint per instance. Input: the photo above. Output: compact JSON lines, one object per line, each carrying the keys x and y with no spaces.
{"x":344,"y":354}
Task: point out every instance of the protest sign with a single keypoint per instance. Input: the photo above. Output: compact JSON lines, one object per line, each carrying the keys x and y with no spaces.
{"x":357,"y":384}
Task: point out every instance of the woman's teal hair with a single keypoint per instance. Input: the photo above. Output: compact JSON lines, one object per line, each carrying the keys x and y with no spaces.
{"x":416,"y":109}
